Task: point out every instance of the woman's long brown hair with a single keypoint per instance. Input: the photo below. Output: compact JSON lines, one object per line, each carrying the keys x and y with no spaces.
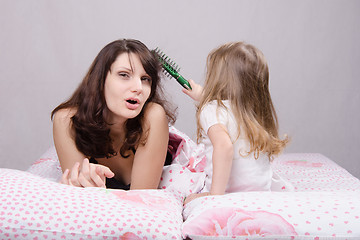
{"x":91,"y":129}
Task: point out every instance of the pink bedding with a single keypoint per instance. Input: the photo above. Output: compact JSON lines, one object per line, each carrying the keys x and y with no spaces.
{"x":323,"y":205}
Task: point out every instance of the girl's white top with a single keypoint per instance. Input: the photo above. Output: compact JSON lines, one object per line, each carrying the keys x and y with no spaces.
{"x":247,"y":173}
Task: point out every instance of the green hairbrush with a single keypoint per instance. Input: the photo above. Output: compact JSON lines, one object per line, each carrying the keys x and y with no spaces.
{"x":171,"y":68}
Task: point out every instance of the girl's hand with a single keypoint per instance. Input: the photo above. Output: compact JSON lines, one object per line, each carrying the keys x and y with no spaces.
{"x":86,"y":175}
{"x":196,"y":92}
{"x":194,"y":196}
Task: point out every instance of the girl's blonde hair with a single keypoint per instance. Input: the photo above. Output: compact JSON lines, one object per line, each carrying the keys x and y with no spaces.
{"x":238,"y":72}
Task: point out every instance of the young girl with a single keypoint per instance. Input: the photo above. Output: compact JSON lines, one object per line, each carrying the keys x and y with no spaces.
{"x":236,"y":121}
{"x":113,"y":131}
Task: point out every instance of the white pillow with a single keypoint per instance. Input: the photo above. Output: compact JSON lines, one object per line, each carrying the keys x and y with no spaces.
{"x":32,"y":207}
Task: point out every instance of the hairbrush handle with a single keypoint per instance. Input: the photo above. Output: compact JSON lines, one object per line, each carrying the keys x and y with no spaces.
{"x":171,"y":69}
{"x":175,"y":74}
{"x":183,"y":82}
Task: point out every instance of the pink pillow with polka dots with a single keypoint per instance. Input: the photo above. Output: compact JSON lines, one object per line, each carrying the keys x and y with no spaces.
{"x":32,"y":207}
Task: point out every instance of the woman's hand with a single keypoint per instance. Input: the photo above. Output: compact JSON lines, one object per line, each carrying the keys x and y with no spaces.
{"x":194,"y":196}
{"x":196,"y":92}
{"x":86,"y":175}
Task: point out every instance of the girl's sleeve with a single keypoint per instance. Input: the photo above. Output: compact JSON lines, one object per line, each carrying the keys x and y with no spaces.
{"x":210,"y":116}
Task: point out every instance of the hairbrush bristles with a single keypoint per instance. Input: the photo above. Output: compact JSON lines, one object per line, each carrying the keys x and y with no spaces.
{"x":170,"y":68}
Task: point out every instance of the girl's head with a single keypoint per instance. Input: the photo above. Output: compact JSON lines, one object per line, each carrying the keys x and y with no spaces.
{"x":238,"y":72}
{"x":94,"y":97}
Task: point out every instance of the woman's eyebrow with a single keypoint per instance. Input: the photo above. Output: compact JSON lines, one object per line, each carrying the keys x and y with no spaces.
{"x":124,"y":68}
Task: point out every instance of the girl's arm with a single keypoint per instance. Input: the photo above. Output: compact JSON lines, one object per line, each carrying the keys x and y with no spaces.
{"x":149,"y":158}
{"x":77,"y":170}
{"x":222,"y":158}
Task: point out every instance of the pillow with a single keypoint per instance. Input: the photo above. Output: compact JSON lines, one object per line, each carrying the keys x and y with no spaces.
{"x":324,"y":205}
{"x":47,"y":166}
{"x":32,"y":207}
{"x":274,"y":215}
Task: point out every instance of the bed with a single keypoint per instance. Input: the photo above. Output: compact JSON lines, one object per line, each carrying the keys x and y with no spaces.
{"x":323,"y":203}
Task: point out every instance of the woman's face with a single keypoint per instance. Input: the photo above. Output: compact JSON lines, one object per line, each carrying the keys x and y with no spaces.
{"x":127,"y":87}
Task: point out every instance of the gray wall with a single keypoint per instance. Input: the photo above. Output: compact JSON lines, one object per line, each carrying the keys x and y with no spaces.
{"x":312,"y":48}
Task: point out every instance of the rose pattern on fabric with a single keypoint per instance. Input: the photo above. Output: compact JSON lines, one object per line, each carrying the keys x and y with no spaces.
{"x":143,"y":199}
{"x":238,"y":222}
{"x":129,"y":236}
{"x":199,"y":167}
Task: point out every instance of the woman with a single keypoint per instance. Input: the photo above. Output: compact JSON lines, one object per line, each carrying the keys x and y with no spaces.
{"x":113,"y":131}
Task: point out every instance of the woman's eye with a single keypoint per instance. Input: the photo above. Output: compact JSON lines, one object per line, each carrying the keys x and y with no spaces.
{"x":124,"y":75}
{"x":148,"y":79}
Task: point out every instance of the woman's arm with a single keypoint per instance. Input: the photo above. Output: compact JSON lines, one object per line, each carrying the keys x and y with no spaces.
{"x":149,"y":158}
{"x":222,"y":158}
{"x":77,"y":169}
{"x":64,"y":143}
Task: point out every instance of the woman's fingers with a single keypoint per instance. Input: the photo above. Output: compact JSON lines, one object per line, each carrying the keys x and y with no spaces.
{"x":64,"y":177}
{"x":74,"y":175}
{"x":86,"y":175}
{"x":107,"y":172}
{"x":85,"y":169}
{"x":96,"y":176}
{"x":103,"y":172}
{"x":84,"y":182}
{"x":99,"y":172}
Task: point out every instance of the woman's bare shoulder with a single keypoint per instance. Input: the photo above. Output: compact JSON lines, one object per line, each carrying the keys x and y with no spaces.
{"x":155,"y":118}
{"x":154,"y":111}
{"x":64,"y":115}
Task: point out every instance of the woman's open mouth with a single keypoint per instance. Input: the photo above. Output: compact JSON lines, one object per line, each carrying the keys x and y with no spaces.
{"x":132,"y":103}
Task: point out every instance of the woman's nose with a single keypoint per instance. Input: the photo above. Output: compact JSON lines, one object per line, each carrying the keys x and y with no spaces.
{"x":137,"y":85}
